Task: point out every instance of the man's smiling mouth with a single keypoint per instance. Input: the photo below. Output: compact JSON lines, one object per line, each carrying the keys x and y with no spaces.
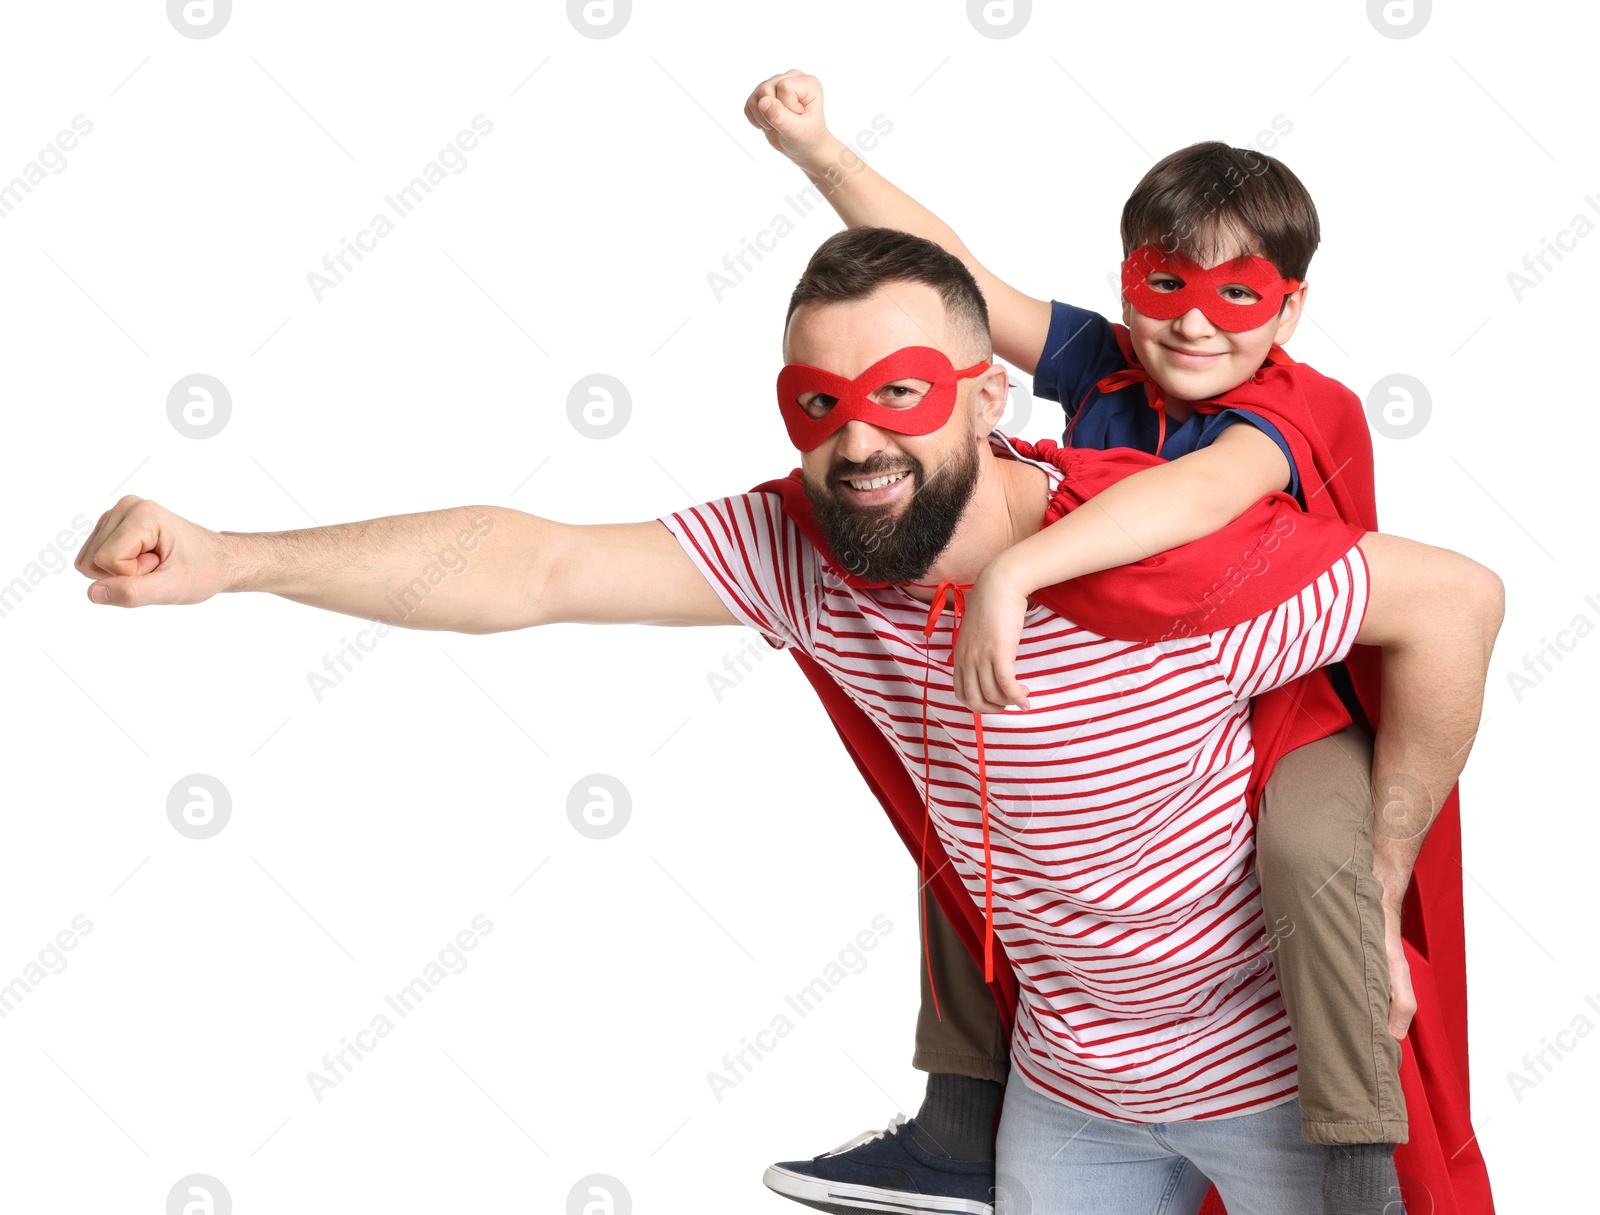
{"x":878,"y":482}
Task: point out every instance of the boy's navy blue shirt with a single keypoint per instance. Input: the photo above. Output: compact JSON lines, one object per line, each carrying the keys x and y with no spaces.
{"x":1079,"y":349}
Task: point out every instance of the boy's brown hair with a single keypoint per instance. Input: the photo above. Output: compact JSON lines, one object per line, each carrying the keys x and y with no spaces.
{"x":1191,"y":200}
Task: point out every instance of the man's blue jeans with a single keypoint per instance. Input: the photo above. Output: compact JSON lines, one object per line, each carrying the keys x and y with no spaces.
{"x":1052,"y":1159}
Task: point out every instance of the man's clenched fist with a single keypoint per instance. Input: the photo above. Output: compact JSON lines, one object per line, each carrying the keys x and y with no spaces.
{"x":141,"y":553}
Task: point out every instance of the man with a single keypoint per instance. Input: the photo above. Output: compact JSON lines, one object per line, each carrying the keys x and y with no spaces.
{"x":1127,"y":904}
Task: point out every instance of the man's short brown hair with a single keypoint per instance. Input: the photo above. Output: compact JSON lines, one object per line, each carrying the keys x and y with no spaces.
{"x":853,"y":264}
{"x":1190,"y":201}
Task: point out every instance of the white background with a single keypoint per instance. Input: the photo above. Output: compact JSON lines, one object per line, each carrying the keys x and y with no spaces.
{"x":369,"y":827}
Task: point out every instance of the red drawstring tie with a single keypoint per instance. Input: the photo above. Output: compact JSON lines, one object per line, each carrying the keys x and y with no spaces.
{"x":1117,"y":380}
{"x":935,"y":610}
{"x":1156,"y":398}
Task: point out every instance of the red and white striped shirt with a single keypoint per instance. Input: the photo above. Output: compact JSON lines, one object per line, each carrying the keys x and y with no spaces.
{"x":1123,"y":885}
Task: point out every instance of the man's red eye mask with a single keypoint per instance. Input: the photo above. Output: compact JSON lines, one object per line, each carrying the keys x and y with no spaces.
{"x":853,"y":401}
{"x":1201,"y":288}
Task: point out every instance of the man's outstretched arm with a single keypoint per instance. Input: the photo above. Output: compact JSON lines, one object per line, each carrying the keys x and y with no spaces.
{"x":469,"y":569}
{"x":1436,"y":615}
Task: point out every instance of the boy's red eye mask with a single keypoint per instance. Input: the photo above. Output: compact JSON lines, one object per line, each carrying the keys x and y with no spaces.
{"x":1200,"y":288}
{"x":852,"y":398}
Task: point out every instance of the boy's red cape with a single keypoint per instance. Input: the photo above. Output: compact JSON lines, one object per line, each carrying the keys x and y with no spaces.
{"x":1234,"y":575}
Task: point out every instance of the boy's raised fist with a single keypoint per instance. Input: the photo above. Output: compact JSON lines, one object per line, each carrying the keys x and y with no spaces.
{"x":788,"y":110}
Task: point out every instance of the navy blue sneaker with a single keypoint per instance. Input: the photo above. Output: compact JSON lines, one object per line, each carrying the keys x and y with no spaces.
{"x":886,"y":1171}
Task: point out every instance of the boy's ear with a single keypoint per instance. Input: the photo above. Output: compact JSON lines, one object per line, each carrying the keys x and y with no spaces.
{"x":1294,"y":305}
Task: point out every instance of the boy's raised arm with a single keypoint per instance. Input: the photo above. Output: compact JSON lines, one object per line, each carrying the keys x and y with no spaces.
{"x":469,"y":569}
{"x":788,"y":109}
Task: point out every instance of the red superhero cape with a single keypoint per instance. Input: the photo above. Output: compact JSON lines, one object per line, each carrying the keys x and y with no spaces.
{"x":1261,"y":559}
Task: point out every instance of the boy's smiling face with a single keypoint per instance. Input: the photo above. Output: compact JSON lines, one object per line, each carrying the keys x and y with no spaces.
{"x":1193,"y":359}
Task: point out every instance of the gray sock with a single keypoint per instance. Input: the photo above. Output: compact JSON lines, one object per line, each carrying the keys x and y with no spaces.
{"x":957,"y":1118}
{"x":1360,"y":1179}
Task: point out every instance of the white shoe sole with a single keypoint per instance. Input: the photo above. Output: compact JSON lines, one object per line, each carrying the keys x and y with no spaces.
{"x":839,"y":1197}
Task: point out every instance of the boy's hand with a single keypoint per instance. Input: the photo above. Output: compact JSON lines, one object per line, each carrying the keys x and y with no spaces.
{"x":140,"y":553}
{"x":788,"y":110}
{"x":986,"y":649}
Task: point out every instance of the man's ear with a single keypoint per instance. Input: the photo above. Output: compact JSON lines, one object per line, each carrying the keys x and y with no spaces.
{"x":1294,"y":304}
{"x":989,"y":399}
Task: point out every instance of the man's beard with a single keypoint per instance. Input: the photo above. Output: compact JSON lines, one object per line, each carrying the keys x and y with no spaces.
{"x":876,"y":545}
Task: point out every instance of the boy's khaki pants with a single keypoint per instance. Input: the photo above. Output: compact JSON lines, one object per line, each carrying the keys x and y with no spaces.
{"x":1324,"y":916}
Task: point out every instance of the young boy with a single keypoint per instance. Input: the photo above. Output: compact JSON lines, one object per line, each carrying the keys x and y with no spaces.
{"x":1217,"y":241}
